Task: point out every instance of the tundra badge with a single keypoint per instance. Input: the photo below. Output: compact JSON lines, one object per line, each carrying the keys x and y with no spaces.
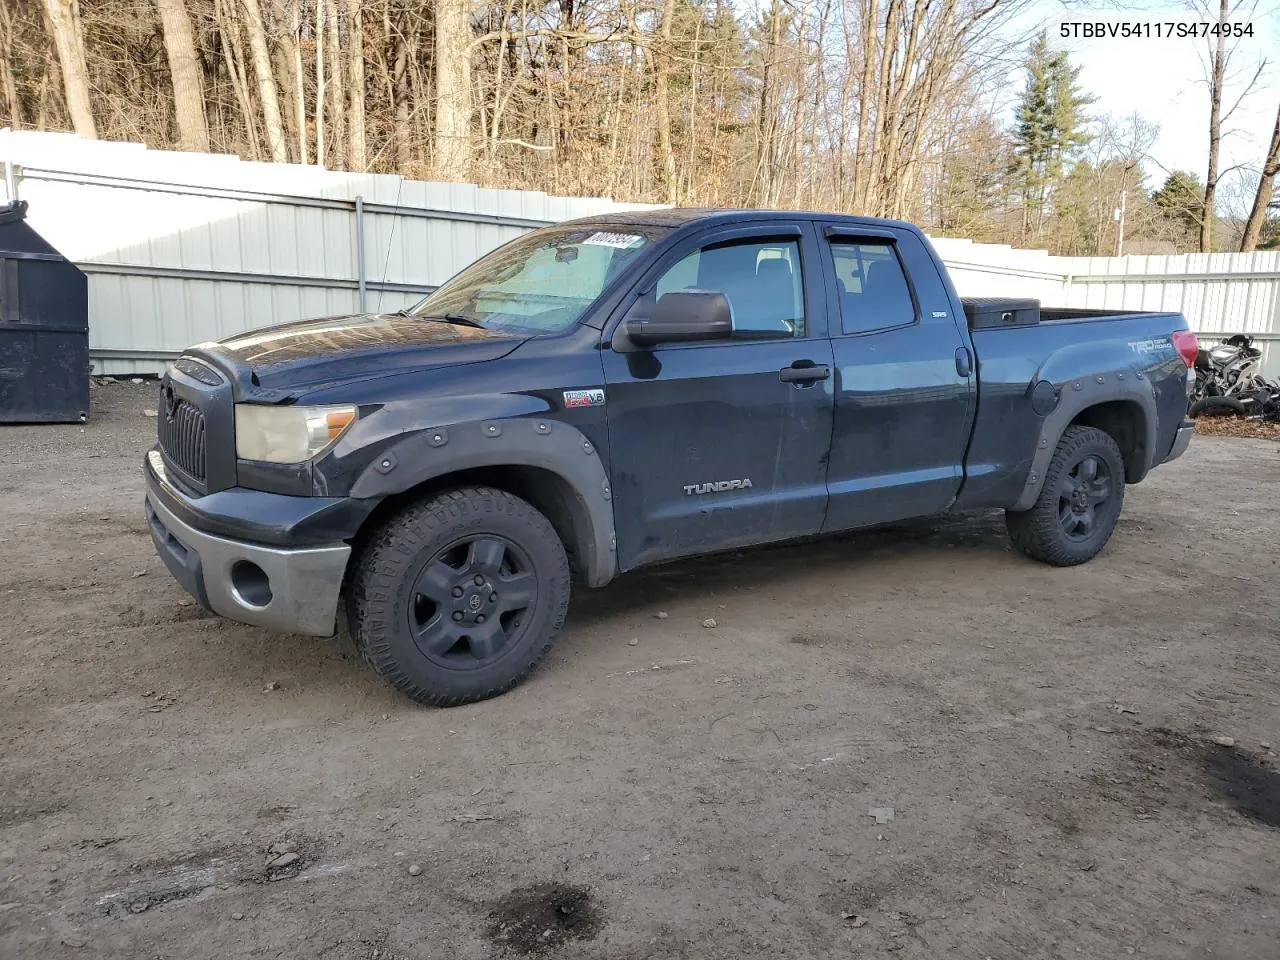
{"x":716,"y":486}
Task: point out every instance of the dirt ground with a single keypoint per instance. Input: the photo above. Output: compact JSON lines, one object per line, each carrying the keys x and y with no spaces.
{"x":174,"y":785}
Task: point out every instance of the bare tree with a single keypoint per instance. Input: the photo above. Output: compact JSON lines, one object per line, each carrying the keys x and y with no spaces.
{"x":299,"y":84}
{"x":451,"y":150}
{"x":68,"y":40}
{"x":399,"y":81}
{"x":184,"y":68}
{"x":1217,"y":77}
{"x":261,"y":53}
{"x":662,"y":68}
{"x":1217,"y":74}
{"x":356,"y":149}
{"x":7,"y":76}
{"x":1266,"y":186}
{"x":233,"y":54}
{"x":336,"y":151}
{"x":319,"y":45}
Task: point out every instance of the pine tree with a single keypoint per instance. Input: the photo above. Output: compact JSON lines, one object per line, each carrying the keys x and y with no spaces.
{"x":1181,"y":197}
{"x":1048,"y":129}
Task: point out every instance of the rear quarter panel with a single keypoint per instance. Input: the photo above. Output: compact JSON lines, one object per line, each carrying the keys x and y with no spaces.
{"x":1129,"y":358}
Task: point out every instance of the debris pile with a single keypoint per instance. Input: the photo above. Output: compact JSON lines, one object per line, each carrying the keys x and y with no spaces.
{"x":1229,"y":383}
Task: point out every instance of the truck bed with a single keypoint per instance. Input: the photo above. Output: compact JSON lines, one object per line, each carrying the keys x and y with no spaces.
{"x":1130,"y":352}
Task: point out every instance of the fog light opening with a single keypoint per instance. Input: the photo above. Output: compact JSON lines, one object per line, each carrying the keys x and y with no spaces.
{"x":250,"y":583}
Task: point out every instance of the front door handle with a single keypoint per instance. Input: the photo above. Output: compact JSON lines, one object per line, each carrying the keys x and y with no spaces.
{"x":964,"y":366}
{"x":804,"y":371}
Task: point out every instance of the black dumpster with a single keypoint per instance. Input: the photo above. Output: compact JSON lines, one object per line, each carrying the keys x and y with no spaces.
{"x":44,"y":327}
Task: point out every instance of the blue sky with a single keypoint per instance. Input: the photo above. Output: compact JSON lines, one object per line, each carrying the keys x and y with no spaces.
{"x":1163,"y":80}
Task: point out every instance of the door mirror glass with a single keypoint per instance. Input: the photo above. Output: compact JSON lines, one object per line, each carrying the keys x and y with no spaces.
{"x":682,"y":316}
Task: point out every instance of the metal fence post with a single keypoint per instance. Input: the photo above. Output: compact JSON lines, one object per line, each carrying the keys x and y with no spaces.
{"x":360,"y":271}
{"x":10,"y":181}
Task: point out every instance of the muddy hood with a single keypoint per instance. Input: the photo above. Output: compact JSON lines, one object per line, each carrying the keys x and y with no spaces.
{"x":330,"y":350}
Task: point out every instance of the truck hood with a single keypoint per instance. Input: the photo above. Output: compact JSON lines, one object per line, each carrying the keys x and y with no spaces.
{"x":309,"y":353}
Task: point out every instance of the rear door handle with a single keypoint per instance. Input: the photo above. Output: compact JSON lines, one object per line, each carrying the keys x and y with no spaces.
{"x":804,"y":371}
{"x":964,"y":366}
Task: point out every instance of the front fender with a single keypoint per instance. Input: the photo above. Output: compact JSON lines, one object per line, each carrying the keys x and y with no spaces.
{"x":537,"y":442}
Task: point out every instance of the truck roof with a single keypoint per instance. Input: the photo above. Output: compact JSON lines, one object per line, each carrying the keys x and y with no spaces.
{"x":708,"y":216}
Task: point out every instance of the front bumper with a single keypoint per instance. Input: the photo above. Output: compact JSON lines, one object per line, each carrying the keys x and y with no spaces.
{"x":1181,"y":440}
{"x":294,"y":590}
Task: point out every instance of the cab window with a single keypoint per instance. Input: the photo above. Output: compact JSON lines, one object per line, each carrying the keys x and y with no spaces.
{"x":872,"y":287}
{"x":761,"y":281}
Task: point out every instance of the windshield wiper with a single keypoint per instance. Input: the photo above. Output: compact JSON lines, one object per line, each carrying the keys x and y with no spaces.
{"x":445,"y":317}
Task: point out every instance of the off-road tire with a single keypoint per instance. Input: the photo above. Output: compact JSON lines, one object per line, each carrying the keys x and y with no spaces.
{"x":1039,"y":532}
{"x":379,"y":604}
{"x":1218,"y":407}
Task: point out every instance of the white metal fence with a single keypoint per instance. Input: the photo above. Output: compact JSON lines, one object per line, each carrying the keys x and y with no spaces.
{"x":181,"y":248}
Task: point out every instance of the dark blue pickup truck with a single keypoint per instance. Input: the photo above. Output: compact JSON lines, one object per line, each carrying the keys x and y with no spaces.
{"x":620,"y":391}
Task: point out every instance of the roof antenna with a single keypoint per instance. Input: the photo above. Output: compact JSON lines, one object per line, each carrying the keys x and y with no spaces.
{"x":386,"y":263}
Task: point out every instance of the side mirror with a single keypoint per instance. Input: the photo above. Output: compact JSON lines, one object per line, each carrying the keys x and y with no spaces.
{"x":682,"y":316}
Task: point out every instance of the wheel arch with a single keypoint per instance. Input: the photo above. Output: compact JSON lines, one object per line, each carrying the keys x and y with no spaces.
{"x":1124,"y":422}
{"x":1124,"y":411}
{"x":551,"y":465}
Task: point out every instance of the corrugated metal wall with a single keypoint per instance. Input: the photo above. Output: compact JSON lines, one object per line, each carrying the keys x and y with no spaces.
{"x":181,"y":248}
{"x":1219,"y":293}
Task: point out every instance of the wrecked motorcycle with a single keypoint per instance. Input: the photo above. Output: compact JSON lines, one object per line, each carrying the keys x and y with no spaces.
{"x":1229,"y":382}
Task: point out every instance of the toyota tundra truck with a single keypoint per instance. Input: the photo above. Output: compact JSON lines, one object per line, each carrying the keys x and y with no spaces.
{"x":615,"y":392}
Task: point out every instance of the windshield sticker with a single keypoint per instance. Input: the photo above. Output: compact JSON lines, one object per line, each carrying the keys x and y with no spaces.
{"x":620,"y":241}
{"x":583,"y":398}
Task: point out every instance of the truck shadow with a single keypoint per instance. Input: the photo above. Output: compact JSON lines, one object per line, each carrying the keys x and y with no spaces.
{"x":779,"y":565}
{"x":928,"y":547}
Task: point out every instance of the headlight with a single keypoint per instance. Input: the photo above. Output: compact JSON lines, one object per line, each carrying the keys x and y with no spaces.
{"x":288,"y":434}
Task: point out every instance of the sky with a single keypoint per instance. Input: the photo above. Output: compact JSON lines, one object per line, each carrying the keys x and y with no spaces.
{"x":1162,"y":79}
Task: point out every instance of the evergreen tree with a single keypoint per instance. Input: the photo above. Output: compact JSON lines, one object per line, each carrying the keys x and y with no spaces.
{"x":1182,"y":198}
{"x":1048,"y":129}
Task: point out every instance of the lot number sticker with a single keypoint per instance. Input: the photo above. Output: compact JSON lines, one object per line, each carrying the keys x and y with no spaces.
{"x":620,"y":241}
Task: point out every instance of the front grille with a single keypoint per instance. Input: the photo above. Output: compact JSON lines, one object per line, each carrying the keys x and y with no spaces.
{"x":181,"y":430}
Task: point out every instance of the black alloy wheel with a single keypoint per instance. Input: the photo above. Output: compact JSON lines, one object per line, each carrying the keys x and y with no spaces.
{"x":1082,"y":494}
{"x":468,"y":603}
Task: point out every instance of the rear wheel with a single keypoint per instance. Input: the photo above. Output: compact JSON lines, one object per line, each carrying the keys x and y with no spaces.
{"x":1079,"y":504}
{"x":459,"y":598}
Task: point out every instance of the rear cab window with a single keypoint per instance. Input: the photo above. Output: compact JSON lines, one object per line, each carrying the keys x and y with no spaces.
{"x":871,"y":286}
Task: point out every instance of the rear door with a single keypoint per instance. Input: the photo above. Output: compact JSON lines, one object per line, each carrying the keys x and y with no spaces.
{"x":905,"y":387}
{"x":724,"y":443}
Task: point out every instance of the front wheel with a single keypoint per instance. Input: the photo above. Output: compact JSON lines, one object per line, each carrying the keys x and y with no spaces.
{"x":459,"y":597}
{"x":1079,"y":504}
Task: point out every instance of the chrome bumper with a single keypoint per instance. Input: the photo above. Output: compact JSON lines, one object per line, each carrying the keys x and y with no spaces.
{"x":294,"y":591}
{"x":1181,"y":440}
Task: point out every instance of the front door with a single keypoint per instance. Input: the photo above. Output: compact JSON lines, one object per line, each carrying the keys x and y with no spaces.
{"x":724,"y":443}
{"x":904,"y":380}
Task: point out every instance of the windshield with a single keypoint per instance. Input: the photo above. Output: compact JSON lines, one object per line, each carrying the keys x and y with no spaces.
{"x":542,"y":282}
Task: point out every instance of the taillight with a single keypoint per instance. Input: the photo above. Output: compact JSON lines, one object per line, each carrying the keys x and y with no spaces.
{"x":1185,"y":342}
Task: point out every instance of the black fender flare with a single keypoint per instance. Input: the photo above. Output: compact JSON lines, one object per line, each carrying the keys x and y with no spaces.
{"x":537,"y":442}
{"x":1076,"y":394}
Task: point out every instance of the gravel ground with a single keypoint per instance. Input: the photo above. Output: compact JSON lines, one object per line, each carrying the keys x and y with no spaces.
{"x":173,"y":785}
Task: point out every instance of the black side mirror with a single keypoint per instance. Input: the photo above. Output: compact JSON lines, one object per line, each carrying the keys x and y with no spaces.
{"x":682,"y":316}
